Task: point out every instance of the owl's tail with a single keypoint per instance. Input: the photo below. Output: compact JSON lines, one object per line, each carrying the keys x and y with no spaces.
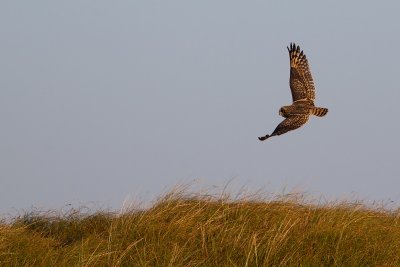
{"x":320,"y":112}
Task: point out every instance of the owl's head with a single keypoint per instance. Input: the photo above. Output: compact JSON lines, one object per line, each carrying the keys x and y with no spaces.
{"x":283,"y":112}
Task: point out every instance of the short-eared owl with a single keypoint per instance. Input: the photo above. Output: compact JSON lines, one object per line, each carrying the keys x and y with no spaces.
{"x":303,"y":95}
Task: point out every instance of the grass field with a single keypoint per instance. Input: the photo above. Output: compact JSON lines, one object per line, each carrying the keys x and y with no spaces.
{"x":183,"y":229}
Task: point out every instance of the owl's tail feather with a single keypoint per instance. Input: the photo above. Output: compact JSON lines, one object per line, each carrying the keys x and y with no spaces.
{"x":320,"y":112}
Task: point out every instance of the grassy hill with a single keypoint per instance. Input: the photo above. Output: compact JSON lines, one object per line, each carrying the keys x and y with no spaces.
{"x":187,"y":230}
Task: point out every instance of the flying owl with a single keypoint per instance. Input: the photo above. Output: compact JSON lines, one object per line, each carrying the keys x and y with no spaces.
{"x":303,"y":95}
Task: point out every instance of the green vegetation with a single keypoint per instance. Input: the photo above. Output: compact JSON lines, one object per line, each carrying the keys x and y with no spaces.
{"x":187,"y":230}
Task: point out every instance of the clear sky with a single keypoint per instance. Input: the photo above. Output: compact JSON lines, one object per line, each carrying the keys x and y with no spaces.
{"x":101,"y":100}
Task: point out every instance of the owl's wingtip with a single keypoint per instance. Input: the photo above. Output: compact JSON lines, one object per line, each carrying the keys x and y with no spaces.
{"x":263,"y":138}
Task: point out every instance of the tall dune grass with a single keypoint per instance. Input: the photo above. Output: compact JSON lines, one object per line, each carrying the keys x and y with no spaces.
{"x":184,"y":229}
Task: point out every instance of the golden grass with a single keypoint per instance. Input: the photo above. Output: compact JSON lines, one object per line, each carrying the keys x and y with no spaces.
{"x":201,"y":230}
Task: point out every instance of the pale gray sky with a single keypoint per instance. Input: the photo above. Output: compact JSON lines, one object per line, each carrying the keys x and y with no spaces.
{"x":104,"y":99}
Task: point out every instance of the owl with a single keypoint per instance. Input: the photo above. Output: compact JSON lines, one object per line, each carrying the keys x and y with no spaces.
{"x":303,"y":95}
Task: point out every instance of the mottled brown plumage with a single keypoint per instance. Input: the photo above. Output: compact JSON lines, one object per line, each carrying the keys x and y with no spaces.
{"x":303,"y":95}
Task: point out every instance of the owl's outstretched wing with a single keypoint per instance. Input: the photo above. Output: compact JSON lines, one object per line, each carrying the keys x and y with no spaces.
{"x":301,"y":81}
{"x":288,"y":124}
